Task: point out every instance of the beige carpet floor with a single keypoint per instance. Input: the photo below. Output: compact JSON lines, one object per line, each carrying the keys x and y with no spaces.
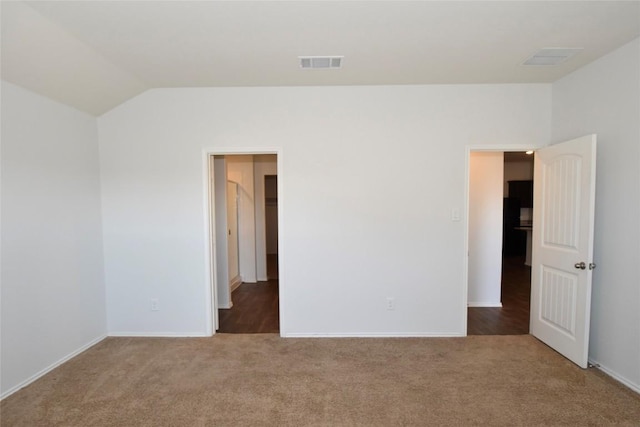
{"x":264,"y":380}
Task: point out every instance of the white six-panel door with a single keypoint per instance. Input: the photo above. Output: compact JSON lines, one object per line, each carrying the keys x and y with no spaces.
{"x":563,"y":217}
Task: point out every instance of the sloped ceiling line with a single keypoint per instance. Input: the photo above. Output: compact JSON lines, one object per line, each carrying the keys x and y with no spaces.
{"x":94,"y":55}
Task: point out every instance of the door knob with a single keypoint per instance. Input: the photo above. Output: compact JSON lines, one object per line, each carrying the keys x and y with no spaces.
{"x":591,"y":266}
{"x":580,"y":265}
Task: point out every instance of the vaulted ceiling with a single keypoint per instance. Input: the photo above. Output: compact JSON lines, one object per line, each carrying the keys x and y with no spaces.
{"x":94,"y":55}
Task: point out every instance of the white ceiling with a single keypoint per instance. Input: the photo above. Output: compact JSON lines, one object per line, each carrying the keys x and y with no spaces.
{"x":94,"y":55}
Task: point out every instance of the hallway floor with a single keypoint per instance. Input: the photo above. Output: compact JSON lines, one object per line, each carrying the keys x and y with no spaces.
{"x":513,"y":317}
{"x":255,"y":306}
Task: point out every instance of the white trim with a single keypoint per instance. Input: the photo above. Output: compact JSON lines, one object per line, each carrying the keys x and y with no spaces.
{"x":211,"y":296}
{"x":616,"y":376}
{"x":158,"y":334}
{"x":484,"y":304}
{"x":235,"y":283}
{"x":372,"y":335}
{"x":51,"y":367}
{"x":282,"y":303}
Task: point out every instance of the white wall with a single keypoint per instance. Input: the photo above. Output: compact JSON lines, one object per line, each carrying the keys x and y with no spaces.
{"x":368,"y":178}
{"x":240,"y":170}
{"x":53,"y":296}
{"x":233,"y":250}
{"x":264,"y":164}
{"x":221,"y":269}
{"x":485,"y":228}
{"x":604,"y":98}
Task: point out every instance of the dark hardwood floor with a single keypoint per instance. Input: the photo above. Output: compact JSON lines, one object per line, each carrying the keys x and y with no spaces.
{"x":255,"y":306}
{"x":513,"y":317}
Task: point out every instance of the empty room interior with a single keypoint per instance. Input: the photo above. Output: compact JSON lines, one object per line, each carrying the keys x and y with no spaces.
{"x":320,"y":213}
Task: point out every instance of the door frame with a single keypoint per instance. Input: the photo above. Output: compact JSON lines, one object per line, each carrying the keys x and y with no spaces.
{"x":465,"y":261}
{"x":210,"y":291}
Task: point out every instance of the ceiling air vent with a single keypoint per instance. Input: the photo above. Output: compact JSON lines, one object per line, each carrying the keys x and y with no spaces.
{"x":320,"y":62}
{"x":551,"y":56}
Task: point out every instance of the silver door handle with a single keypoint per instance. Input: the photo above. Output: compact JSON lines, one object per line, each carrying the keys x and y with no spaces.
{"x":580,"y":265}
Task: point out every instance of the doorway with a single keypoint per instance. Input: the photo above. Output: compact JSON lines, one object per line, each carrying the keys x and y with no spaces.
{"x":500,"y":220}
{"x":246,"y":298}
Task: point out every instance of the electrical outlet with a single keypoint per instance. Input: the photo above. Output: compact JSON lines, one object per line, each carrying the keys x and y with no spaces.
{"x":154,"y":304}
{"x":391,"y":303}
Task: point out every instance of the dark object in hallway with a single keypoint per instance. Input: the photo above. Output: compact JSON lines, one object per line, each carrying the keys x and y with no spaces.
{"x":513,"y":317}
{"x":514,"y":242}
{"x":256,"y":306}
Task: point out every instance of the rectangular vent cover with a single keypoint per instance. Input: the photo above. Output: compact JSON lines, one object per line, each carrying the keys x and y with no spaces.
{"x":552,"y":56}
{"x":321,"y":62}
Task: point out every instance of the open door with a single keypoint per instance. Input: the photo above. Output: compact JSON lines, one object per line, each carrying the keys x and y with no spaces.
{"x":563,"y":215}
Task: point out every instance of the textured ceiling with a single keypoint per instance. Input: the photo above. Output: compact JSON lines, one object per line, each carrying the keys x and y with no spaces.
{"x":94,"y":55}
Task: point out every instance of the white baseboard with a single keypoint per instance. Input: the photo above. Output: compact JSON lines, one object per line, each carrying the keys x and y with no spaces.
{"x":371,"y":335}
{"x":234,"y":283}
{"x":51,"y":367}
{"x":484,"y":304}
{"x":159,"y":334}
{"x":616,"y":376}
